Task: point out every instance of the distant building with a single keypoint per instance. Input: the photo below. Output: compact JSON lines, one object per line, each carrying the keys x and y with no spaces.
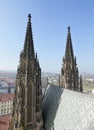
{"x":6,"y":108}
{"x":6,"y":104}
{"x":69,"y":73}
{"x":9,"y":89}
{"x":27,"y":114}
{"x":3,"y":83}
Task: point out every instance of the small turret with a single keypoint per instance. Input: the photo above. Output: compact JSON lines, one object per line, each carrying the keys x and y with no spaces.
{"x":81,"y":84}
{"x":36,"y":56}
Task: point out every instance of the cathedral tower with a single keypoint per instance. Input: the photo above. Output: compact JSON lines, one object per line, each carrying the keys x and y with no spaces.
{"x":69,"y":72}
{"x":27,"y":113}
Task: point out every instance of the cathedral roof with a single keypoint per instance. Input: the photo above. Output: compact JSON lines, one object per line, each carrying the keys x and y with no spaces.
{"x":50,"y":105}
{"x":64,"y":109}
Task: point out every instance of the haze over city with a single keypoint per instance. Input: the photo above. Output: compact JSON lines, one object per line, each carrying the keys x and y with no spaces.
{"x":50,"y":20}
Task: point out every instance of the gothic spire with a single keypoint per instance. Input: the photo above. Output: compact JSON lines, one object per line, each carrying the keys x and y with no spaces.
{"x":69,"y":49}
{"x":28,"y":45}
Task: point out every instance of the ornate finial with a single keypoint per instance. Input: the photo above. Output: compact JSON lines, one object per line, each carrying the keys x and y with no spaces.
{"x":29,"y":17}
{"x":68,"y":29}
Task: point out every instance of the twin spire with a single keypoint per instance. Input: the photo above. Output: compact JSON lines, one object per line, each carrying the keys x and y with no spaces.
{"x":28,"y":45}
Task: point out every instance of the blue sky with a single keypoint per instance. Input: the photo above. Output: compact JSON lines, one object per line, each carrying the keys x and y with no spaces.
{"x":50,"y":19}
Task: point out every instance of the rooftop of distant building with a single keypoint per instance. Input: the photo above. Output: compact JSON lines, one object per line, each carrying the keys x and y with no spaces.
{"x":6,"y":97}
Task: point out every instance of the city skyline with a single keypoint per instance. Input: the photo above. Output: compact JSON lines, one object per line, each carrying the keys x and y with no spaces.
{"x":50,"y":20}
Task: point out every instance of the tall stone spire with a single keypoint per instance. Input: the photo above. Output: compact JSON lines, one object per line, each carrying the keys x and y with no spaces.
{"x":69,"y":49}
{"x":69,"y":72}
{"x":28,"y":45}
{"x":27,"y":114}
